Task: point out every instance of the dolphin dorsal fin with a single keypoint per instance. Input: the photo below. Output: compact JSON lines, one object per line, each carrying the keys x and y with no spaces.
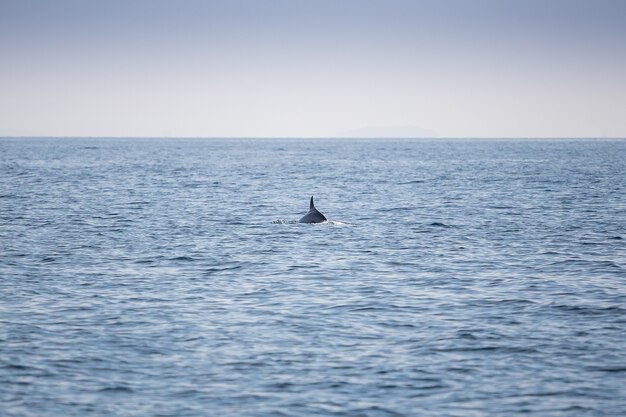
{"x":311,"y":206}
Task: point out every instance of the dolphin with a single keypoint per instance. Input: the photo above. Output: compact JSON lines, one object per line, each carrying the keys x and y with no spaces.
{"x":313,"y":216}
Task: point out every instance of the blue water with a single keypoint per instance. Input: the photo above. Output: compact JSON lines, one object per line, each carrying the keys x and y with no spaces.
{"x":170,"y":278}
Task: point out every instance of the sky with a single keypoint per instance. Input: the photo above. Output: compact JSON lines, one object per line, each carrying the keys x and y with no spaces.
{"x":313,"y":68}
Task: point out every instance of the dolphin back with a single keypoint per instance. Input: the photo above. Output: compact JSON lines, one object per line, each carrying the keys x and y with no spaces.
{"x":313,"y":216}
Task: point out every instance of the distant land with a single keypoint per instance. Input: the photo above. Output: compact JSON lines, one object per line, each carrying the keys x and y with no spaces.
{"x":388,"y":132}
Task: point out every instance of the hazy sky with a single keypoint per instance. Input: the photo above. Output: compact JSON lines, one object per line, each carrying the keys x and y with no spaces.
{"x":484,"y":68}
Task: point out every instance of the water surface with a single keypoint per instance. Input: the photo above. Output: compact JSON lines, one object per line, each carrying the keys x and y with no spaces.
{"x":170,"y":278}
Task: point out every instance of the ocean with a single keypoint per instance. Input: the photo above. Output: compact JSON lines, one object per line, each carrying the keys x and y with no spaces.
{"x":170,"y":277}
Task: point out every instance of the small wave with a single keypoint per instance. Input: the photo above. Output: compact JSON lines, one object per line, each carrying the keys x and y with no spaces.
{"x":384,"y":210}
{"x":217,"y":270}
{"x":587,"y":310}
{"x":336,"y":223}
{"x":413,"y":182}
{"x":374,"y":410}
{"x":144,"y":261}
{"x":182,"y":258}
{"x":479,"y":349}
{"x":540,"y":394}
{"x":279,"y":221}
{"x":439,"y":224}
{"x":187,"y":393}
{"x":260,"y":291}
{"x":18,"y":367}
{"x":511,"y":301}
{"x":610,"y":369}
{"x":116,"y":389}
{"x":366,"y":309}
{"x":587,"y":263}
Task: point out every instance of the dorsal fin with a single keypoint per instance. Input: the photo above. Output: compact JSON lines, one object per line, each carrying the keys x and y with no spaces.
{"x":313,"y":216}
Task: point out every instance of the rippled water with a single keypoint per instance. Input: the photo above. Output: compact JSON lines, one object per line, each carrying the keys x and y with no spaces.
{"x":170,"y":278}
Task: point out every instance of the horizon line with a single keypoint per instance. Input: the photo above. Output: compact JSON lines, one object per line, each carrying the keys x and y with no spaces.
{"x":320,"y":137}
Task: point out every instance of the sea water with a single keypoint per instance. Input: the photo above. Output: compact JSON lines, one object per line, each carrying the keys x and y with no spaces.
{"x":153,"y":277}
